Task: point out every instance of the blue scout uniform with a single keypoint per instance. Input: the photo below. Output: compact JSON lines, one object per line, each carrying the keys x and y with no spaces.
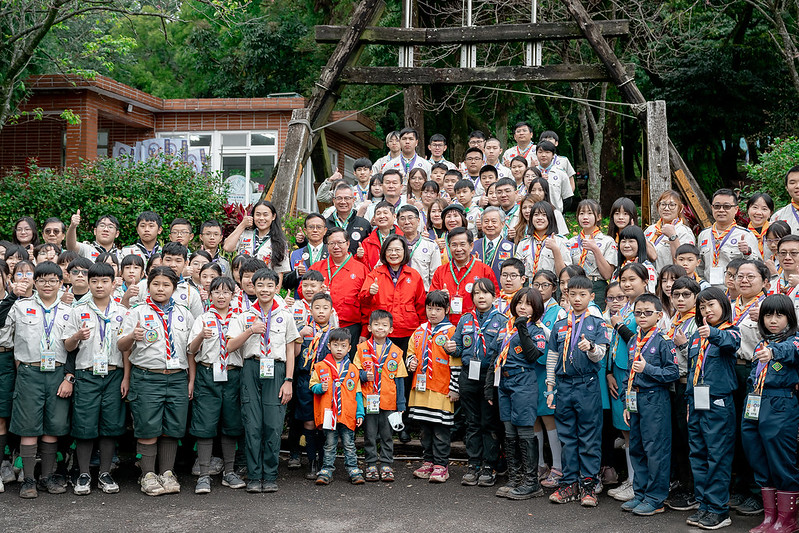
{"x":475,"y":338}
{"x":518,"y":385}
{"x":552,"y":313}
{"x":578,"y":409}
{"x":617,"y":366}
{"x":650,"y":425}
{"x":495,"y":256}
{"x":303,"y":366}
{"x":712,"y":431}
{"x":770,"y":440}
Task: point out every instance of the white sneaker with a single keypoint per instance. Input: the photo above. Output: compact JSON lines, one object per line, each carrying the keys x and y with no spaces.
{"x":623,"y":492}
{"x":7,"y":474}
{"x":619,"y":443}
{"x":169,"y":482}
{"x":2,"y":487}
{"x":150,"y":485}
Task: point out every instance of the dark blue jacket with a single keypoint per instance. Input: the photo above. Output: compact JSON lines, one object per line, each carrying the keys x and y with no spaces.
{"x":719,"y":364}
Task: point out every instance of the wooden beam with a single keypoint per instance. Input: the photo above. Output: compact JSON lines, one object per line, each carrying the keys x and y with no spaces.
{"x":405,"y":76}
{"x":542,"y":31}
{"x":300,"y":139}
{"x":623,"y":78}
{"x":320,"y":159}
{"x":658,"y":169}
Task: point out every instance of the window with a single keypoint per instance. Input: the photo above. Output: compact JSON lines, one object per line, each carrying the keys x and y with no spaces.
{"x":349,"y":170}
{"x":102,"y":143}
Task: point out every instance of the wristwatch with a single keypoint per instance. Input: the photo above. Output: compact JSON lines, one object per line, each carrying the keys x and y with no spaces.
{"x":673,"y":238}
{"x":290,"y":380}
{"x":69,"y":378}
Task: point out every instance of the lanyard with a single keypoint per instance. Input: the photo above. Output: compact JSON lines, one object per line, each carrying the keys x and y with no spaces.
{"x":311,"y":259}
{"x":319,"y":340}
{"x":221,"y":328}
{"x":266,"y":341}
{"x":762,"y":368}
{"x":256,"y":246}
{"x":408,"y":164}
{"x":640,"y":347}
{"x":455,"y":278}
{"x":333,"y":275}
{"x":48,"y":329}
{"x":700,"y":358}
{"x":740,"y":315}
{"x":478,"y":331}
{"x":717,"y":247}
{"x":684,"y":320}
{"x":166,"y":323}
{"x":572,"y":335}
{"x":378,"y":362}
{"x":342,"y":223}
{"x":583,"y":251}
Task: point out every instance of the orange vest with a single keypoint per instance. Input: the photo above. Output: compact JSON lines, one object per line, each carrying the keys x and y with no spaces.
{"x":438,"y":373}
{"x":387,"y":372}
{"x":328,"y":370}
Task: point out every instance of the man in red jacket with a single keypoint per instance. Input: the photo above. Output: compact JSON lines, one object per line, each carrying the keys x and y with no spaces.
{"x":344,"y":276}
{"x":456,"y":278}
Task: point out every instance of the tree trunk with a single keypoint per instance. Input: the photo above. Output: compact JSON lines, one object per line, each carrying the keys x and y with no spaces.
{"x":610,"y":164}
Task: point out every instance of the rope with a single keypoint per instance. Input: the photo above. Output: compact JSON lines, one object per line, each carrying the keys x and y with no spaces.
{"x":585,"y":101}
{"x":353,"y":113}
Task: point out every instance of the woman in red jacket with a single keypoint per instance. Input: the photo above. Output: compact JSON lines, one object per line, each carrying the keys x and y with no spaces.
{"x":397,"y":288}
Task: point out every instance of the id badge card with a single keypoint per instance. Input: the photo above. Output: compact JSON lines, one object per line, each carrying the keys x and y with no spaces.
{"x":100,"y":365}
{"x":702,"y":398}
{"x":328,"y":422}
{"x":220,"y":374}
{"x":497,"y":377}
{"x":421,"y":382}
{"x":456,"y":304}
{"x":632,"y":401}
{"x":715,"y":275}
{"x":752,"y":411}
{"x":267,"y":368}
{"x":47,"y":363}
{"x":474,"y":370}
{"x":173,"y":363}
{"x":372,"y":404}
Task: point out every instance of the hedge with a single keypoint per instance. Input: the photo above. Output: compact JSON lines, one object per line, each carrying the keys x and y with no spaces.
{"x":769,"y":175}
{"x":110,"y":187}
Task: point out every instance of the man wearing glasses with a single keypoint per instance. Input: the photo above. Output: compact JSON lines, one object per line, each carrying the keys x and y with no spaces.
{"x":788,"y":282}
{"x":54,"y":231}
{"x":344,"y":216}
{"x":724,"y":240}
{"x":437,"y":147}
{"x":106,"y":231}
{"x":314,"y":250}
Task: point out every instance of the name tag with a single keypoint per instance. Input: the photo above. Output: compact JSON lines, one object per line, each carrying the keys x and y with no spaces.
{"x":173,"y":363}
{"x":702,"y":398}
{"x":632,"y":401}
{"x":421,"y":383}
{"x":328,"y":422}
{"x":267,"y":368}
{"x":220,"y":374}
{"x":497,"y":377}
{"x":47,"y":362}
{"x":100,"y":365}
{"x":752,"y":411}
{"x":456,"y":305}
{"x":715,"y":275}
{"x":372,"y":404}
{"x":474,"y":370}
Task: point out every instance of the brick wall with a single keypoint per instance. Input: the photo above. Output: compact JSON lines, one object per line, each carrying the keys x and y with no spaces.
{"x":32,"y":139}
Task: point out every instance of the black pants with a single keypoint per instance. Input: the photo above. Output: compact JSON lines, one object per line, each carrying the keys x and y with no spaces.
{"x":355,"y":335}
{"x":482,"y":422}
{"x":743,"y":480}
{"x":435,"y":443}
{"x":680,"y":465}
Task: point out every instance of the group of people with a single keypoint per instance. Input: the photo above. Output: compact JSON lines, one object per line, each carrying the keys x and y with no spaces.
{"x":433,"y":297}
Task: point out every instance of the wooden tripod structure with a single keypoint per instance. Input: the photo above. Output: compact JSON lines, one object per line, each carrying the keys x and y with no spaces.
{"x":305,"y":137}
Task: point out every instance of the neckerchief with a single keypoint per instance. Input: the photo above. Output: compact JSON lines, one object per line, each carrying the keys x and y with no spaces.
{"x":760,"y":236}
{"x":700,"y":358}
{"x":221,"y":328}
{"x":580,"y":237}
{"x":640,"y":348}
{"x":166,"y":322}
{"x":718,"y":240}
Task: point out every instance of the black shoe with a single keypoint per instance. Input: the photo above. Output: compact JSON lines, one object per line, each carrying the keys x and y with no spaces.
{"x":750,"y":507}
{"x":268,"y":486}
{"x":715,"y":521}
{"x":253,"y":486}
{"x":736,"y":500}
{"x":694,"y":519}
{"x":28,"y":489}
{"x":682,"y":501}
{"x":404,"y":436}
{"x":488,"y":477}
{"x":470,"y":477}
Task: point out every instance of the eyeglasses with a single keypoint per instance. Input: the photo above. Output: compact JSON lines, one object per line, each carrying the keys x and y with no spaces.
{"x":315,"y":228}
{"x":729,"y":275}
{"x":438,"y":145}
{"x":664,"y":205}
{"x":641,"y":314}
{"x":46,"y":282}
{"x":20,"y":275}
{"x":220,"y":293}
{"x":615,"y":298}
{"x":52,"y":231}
{"x":474,"y":159}
{"x":509,"y":275}
{"x":215,"y":234}
{"x":544,"y":285}
{"x":722,"y":207}
{"x":78,"y":272}
{"x":749,"y":277}
{"x":180,"y":233}
{"x":681,"y":295}
{"x":784,"y":254}
{"x":336,"y":244}
{"x":344,"y":198}
{"x":104,"y":225}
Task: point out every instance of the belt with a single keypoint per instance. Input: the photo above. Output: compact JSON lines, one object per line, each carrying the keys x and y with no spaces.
{"x":164,"y":371}
{"x":684,"y":380}
{"x":596,"y":277}
{"x":743,"y":362}
{"x":583,"y":378}
{"x":777,"y":393}
{"x":110,"y":367}
{"x":209,"y":365}
{"x":515,"y":370}
{"x":258,"y":358}
{"x":39,"y":364}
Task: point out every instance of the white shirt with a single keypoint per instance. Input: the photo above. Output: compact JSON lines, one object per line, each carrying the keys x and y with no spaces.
{"x":425,"y":259}
{"x":282,"y":331}
{"x":211,"y":350}
{"x":606,"y":245}
{"x":790,"y":215}
{"x":184,"y":295}
{"x":400,"y":163}
{"x":263,"y":251}
{"x":83,"y":314}
{"x":528,"y":154}
{"x":662,"y":243}
{"x":559,"y":186}
{"x":449,"y":164}
{"x":26,"y":321}
{"x":151,"y":352}
{"x":728,"y":250}
{"x":528,"y":247}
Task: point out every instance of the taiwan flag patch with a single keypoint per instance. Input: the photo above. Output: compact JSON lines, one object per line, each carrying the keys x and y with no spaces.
{"x":85,"y":316}
{"x":30,"y":311}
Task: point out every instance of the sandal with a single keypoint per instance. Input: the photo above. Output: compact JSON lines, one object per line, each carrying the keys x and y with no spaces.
{"x":324,"y":477}
{"x":387,"y":474}
{"x":372,"y":474}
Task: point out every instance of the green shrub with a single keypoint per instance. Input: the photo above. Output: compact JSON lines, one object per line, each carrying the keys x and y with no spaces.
{"x":769,"y":175}
{"x":106,"y":186}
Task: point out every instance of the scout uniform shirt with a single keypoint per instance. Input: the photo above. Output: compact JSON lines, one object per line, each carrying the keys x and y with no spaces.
{"x":184,"y":295}
{"x":712,"y":361}
{"x":139,"y":249}
{"x":790,"y":214}
{"x":511,"y":218}
{"x":261,"y":248}
{"x":661,"y":367}
{"x":750,"y":334}
{"x":157,"y":351}
{"x":536,"y":256}
{"x":686,"y":324}
{"x":425,"y":258}
{"x":343,"y":394}
{"x":662,"y":244}
{"x":406,"y":165}
{"x":36,"y":330}
{"x":585,"y":258}
{"x":104,"y":324}
{"x":473,"y":213}
{"x":280,"y":331}
{"x":718,"y":248}
{"x":560,"y":187}
{"x":493,"y":252}
{"x":386,"y":363}
{"x":618,"y":346}
{"x":510,"y":354}
{"x":779,"y":373}
{"x":564,"y":357}
{"x":476,"y":335}
{"x":91,"y":251}
{"x":528,"y":153}
{"x":450,"y":165}
{"x":213,"y":350}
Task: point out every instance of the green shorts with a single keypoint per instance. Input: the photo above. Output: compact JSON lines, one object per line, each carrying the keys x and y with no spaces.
{"x":159,"y":403}
{"x":216,"y":402}
{"x":98,"y":409}
{"x":8,"y":373}
{"x":37,"y":408}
